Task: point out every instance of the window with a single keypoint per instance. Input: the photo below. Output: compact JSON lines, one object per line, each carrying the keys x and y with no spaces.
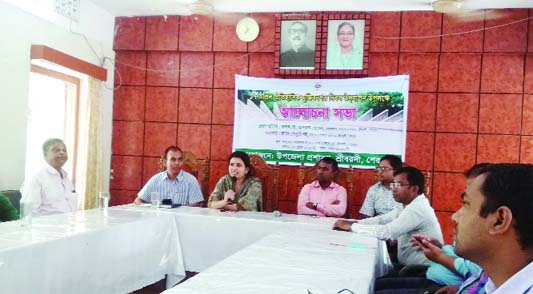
{"x":53,"y":104}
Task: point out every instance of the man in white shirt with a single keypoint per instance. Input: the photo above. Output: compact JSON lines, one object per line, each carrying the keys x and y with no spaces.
{"x":415,"y":216}
{"x":50,"y":191}
{"x":494,"y":227}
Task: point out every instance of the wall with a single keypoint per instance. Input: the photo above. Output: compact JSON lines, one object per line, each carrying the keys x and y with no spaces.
{"x":471,"y":96}
{"x":19,"y":30}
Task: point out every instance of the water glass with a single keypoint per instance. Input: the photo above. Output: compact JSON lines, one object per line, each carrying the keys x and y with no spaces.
{"x":155,"y":199}
{"x":25,"y":214}
{"x":103,"y":200}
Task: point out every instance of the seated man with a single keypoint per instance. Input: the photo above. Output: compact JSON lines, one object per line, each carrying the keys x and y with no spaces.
{"x":173,"y":183}
{"x":493,"y":227}
{"x":445,"y":269}
{"x":378,"y":199}
{"x":415,"y":216}
{"x":323,"y":197}
{"x":50,"y":191}
{"x":7,"y":211}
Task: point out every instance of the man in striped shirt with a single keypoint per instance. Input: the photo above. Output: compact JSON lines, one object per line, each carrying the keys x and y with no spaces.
{"x":173,"y":183}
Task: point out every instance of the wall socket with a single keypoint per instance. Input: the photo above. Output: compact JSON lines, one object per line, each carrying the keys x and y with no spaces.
{"x":68,"y":8}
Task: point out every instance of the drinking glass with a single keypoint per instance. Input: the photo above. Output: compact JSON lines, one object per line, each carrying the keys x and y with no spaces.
{"x":103,"y":200}
{"x":155,"y":199}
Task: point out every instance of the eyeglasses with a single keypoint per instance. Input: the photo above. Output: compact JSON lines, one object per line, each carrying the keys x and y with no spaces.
{"x":398,"y":185}
{"x":383,"y":168}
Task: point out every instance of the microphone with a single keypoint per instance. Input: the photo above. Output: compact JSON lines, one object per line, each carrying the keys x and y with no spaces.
{"x":233,"y":184}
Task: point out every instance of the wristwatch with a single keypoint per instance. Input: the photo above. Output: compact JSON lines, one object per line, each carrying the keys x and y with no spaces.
{"x":315,"y":205}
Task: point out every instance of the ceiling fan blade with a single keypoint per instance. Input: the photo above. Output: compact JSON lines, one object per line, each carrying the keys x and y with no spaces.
{"x":478,"y":15}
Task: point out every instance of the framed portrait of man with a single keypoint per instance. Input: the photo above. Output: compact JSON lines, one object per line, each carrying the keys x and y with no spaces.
{"x":345,"y":44}
{"x":298,"y":44}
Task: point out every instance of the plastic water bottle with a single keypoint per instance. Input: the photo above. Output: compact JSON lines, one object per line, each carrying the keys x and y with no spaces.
{"x":26,"y":214}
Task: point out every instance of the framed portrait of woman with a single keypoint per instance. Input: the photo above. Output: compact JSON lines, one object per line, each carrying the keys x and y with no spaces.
{"x":346,"y":45}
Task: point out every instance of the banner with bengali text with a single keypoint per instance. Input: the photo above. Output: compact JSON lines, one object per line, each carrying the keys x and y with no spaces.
{"x":289,"y":121}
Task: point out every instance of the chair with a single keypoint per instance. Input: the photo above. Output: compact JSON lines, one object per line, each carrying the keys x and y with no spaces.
{"x":14,"y":197}
{"x":269,"y":176}
{"x":198,"y":167}
{"x":344,"y":178}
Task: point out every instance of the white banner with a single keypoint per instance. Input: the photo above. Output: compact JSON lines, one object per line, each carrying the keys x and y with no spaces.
{"x":355,"y":121}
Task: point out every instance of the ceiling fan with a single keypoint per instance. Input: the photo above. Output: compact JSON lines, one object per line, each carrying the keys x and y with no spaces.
{"x":201,"y":7}
{"x":247,"y":29}
{"x":207,"y":8}
{"x":457,"y":9}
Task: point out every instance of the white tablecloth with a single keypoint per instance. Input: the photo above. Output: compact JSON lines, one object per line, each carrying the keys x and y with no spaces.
{"x":93,"y":251}
{"x":293,"y":260}
{"x":252,"y":242}
{"x":208,"y":236}
{"x":127,"y":247}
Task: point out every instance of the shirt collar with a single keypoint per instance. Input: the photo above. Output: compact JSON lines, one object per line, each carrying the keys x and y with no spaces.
{"x":178,"y":177}
{"x":519,"y":283}
{"x":333,"y":185}
{"x":54,"y":171}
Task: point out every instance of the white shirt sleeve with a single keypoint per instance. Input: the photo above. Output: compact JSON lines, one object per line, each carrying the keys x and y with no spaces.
{"x":407,"y":220}
{"x":382,"y":219}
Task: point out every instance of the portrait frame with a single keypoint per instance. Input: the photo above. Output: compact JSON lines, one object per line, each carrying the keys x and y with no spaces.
{"x":282,"y":22}
{"x":330,"y":23}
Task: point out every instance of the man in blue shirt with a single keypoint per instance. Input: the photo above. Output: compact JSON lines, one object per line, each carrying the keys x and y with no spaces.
{"x":173,"y":183}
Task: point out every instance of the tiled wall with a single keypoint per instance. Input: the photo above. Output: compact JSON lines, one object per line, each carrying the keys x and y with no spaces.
{"x":471,"y":95}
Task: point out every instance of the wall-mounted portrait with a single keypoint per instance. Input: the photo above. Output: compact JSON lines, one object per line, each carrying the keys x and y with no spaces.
{"x":298,"y":44}
{"x":345,"y":44}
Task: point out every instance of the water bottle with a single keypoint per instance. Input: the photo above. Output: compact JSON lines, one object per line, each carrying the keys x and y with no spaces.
{"x":26,"y":214}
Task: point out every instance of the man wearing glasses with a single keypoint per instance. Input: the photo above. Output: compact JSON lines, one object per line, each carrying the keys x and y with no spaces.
{"x":415,"y":216}
{"x":378,"y":199}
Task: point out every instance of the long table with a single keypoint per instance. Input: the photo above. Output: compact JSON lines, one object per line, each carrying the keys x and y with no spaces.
{"x":304,"y":260}
{"x":92,"y":251}
{"x":208,"y":236}
{"x":124,"y":248}
{"x":278,"y":253}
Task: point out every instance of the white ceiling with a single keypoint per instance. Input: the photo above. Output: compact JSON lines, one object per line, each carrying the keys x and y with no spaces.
{"x":180,"y":7}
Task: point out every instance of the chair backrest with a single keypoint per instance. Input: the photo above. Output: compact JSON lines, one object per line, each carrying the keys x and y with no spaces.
{"x":198,"y":167}
{"x":13,"y":196}
{"x":344,"y":178}
{"x":269,"y":176}
{"x":427,"y":182}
